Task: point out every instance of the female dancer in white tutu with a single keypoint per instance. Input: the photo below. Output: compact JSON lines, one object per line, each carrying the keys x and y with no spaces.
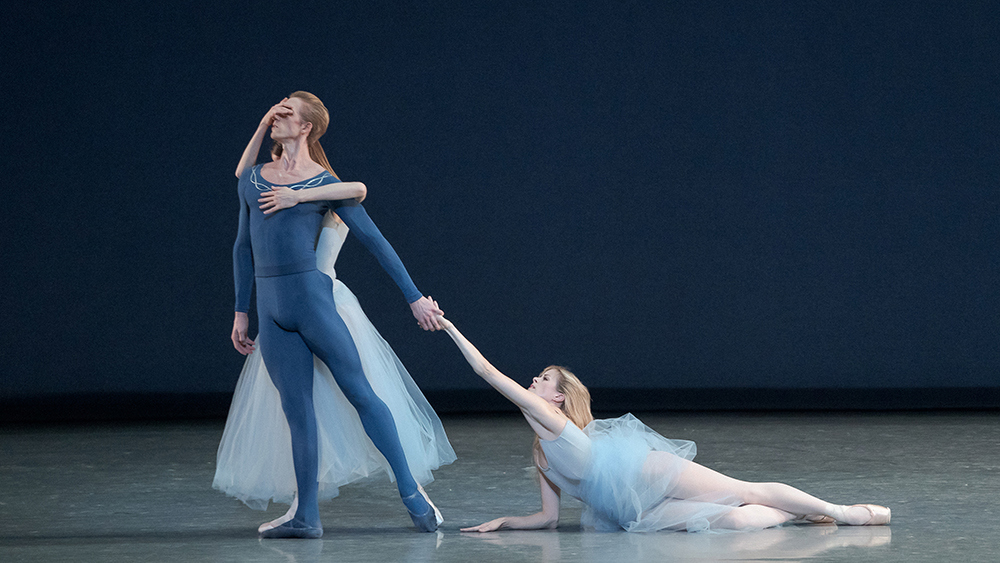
{"x":632,"y":478}
{"x":254,"y":462}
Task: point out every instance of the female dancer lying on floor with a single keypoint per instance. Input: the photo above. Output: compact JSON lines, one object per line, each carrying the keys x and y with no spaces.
{"x":632,"y":478}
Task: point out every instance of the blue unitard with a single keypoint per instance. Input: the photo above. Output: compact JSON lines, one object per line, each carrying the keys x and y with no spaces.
{"x":298,"y":318}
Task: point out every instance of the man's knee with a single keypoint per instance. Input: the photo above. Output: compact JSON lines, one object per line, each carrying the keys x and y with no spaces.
{"x":361,"y":396}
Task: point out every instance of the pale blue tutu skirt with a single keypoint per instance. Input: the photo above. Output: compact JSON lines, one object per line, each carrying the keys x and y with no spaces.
{"x":625,"y":487}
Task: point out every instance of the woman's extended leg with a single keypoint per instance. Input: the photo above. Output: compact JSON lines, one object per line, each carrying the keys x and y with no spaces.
{"x":765,"y":504}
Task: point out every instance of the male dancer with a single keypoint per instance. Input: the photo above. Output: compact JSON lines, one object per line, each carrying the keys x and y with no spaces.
{"x":295,"y":307}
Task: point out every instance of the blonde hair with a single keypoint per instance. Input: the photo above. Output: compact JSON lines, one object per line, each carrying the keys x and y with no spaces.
{"x":576,"y":404}
{"x":313,"y":111}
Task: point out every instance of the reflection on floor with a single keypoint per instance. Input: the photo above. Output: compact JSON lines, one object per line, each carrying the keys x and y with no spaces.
{"x":143,"y":492}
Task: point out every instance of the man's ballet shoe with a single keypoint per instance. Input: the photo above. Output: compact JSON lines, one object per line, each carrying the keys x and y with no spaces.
{"x":880,"y":515}
{"x":293,"y":530}
{"x":425,"y":521}
{"x":287,"y":517}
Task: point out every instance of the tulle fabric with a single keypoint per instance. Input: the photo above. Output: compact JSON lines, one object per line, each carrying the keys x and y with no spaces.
{"x":254,"y":462}
{"x":624,"y":487}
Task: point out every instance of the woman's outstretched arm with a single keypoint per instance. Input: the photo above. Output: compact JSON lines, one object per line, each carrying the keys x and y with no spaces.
{"x":548,"y":518}
{"x":548,"y":421}
{"x":281,"y":197}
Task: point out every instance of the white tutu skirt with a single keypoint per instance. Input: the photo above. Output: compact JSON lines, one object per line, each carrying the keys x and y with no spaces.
{"x":631,"y":475}
{"x":254,"y":462}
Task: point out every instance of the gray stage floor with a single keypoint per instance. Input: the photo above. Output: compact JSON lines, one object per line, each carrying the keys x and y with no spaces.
{"x":143,"y":492}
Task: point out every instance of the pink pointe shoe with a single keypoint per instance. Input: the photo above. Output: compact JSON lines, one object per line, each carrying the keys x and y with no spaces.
{"x":880,"y":515}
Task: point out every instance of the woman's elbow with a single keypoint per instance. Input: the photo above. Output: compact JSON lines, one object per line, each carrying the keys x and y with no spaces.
{"x":489,"y":373}
{"x":362,"y":192}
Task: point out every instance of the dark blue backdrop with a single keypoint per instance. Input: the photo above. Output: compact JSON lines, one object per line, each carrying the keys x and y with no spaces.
{"x":660,"y":195}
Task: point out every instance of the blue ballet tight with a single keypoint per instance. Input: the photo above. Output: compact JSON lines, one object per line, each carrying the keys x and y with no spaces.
{"x":298,"y":318}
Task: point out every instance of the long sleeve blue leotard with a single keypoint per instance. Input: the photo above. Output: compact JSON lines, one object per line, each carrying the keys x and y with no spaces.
{"x":284,"y":242}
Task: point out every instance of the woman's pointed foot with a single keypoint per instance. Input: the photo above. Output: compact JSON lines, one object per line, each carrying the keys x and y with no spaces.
{"x":878,"y":515}
{"x":281,"y":519}
{"x":293,"y":530}
{"x":421,"y":512}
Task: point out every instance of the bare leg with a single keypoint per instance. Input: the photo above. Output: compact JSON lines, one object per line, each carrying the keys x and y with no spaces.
{"x":765,"y":504}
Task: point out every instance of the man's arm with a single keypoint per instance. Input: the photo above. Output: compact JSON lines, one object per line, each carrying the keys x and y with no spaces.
{"x":361,"y":225}
{"x":243,"y":278}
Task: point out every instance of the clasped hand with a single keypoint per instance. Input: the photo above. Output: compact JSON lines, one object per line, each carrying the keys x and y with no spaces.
{"x":427,"y":313}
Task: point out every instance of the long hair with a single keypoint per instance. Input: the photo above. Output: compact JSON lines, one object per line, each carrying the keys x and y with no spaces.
{"x":316,"y":113}
{"x":576,"y":404}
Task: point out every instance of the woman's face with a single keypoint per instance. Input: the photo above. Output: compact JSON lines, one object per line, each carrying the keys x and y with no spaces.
{"x":546,"y":386}
{"x":290,"y":126}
